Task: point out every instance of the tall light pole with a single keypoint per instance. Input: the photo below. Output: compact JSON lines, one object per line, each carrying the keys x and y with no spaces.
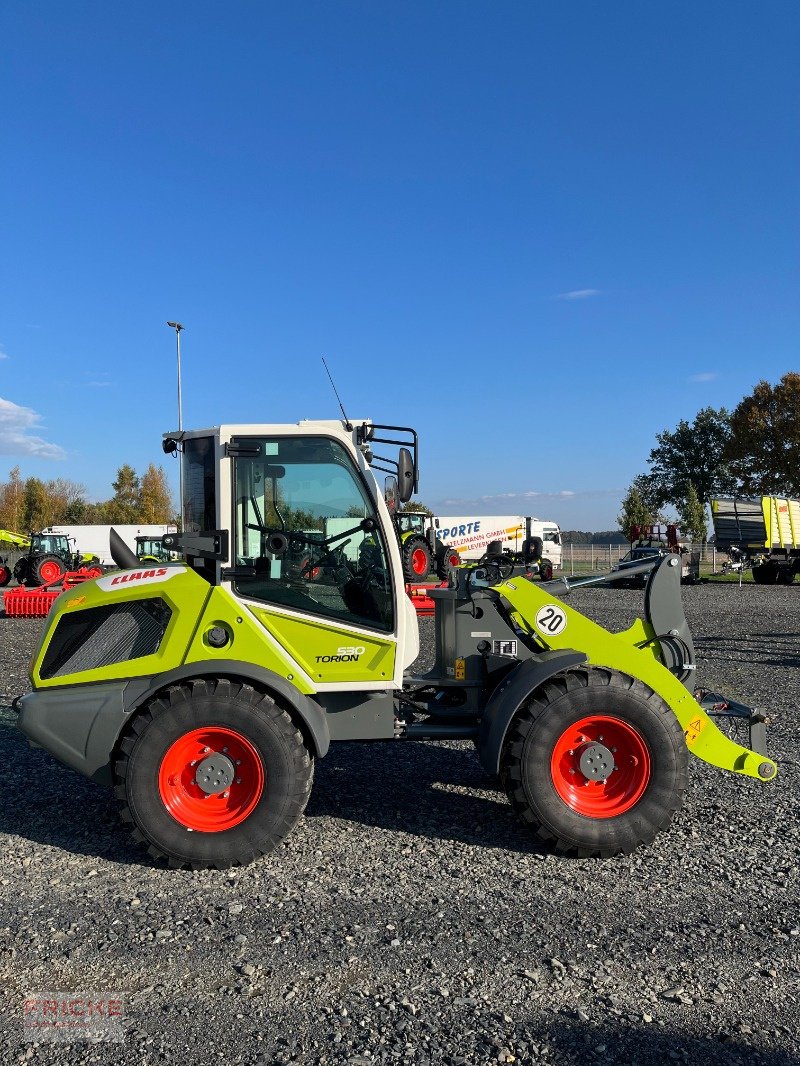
{"x":178,"y":327}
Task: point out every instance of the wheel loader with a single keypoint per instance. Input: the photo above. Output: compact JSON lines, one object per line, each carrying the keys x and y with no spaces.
{"x":205,"y":691}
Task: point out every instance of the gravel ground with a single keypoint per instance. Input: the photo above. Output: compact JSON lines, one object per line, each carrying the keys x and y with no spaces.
{"x":408,"y":918}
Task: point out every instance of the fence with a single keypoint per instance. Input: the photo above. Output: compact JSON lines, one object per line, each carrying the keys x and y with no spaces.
{"x":586,"y":558}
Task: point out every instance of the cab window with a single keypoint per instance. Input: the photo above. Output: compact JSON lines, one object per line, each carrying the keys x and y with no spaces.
{"x":307,"y":528}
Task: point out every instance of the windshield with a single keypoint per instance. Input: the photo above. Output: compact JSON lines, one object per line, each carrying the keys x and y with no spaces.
{"x":49,"y":543}
{"x":410,"y":522}
{"x":305,"y":523}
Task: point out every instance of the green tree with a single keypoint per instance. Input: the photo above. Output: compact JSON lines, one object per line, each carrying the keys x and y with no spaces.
{"x":635,"y":512}
{"x":416,"y":505}
{"x":12,"y":493}
{"x":764,"y":446}
{"x":124,"y":507}
{"x":156,"y":503}
{"x":692,"y":516}
{"x":693,"y":452}
{"x":35,"y":508}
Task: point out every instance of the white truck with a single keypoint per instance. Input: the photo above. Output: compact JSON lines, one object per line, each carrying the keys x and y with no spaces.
{"x":471,"y":535}
{"x":94,"y":539}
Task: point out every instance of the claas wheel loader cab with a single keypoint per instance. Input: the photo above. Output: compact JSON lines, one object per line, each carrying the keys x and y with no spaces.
{"x":205,"y":691}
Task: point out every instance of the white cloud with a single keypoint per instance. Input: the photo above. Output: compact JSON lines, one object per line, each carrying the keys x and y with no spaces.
{"x":98,"y":384}
{"x":16,"y":438}
{"x":578,"y":294}
{"x":705,"y":376}
{"x":3,"y":353}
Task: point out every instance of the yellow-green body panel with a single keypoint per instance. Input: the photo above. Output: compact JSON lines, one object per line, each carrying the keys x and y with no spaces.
{"x":620,"y":651}
{"x":782,"y":522}
{"x":327,"y":653}
{"x":184,"y":591}
{"x":248,"y":643}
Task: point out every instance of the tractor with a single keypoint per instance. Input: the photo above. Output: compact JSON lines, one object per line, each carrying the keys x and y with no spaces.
{"x":152,"y":550}
{"x":50,"y":558}
{"x":421,"y":549}
{"x":205,"y":691}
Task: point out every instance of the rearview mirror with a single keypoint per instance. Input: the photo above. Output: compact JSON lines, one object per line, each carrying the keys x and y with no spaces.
{"x":405,"y":475}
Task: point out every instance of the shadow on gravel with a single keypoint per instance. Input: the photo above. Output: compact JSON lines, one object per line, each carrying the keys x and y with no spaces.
{"x":769,"y":649}
{"x":640,"y":1046}
{"x":50,"y":804}
{"x":427,"y":790}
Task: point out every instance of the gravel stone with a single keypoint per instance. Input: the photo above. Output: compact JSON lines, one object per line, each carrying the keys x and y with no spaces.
{"x":409,"y":919}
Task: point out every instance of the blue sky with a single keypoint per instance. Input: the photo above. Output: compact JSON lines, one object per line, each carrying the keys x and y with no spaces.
{"x":538,"y":232}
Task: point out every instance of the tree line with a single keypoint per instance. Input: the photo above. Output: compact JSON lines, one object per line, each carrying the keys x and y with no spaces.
{"x":753,"y":450}
{"x":30,"y":504}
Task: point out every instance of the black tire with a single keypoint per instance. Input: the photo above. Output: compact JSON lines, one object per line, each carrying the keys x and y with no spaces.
{"x":785,"y":575}
{"x":417,"y":559}
{"x":766,"y":574}
{"x":448,"y":560}
{"x":21,"y":570}
{"x":287,"y":766}
{"x":546,"y":570}
{"x":541,"y":726}
{"x":532,"y":549}
{"x":42,"y":568}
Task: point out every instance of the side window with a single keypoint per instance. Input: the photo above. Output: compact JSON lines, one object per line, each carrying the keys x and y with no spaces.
{"x":307,"y":527}
{"x":199,"y":495}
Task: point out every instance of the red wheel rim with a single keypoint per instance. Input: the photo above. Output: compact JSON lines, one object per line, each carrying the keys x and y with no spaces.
{"x":455,"y":559}
{"x":574,"y":751}
{"x":50,"y":571}
{"x":419,"y":561}
{"x":191,"y":805}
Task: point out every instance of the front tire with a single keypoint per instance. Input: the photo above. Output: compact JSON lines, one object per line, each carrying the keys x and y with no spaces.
{"x":765,"y":574}
{"x":595,"y":764}
{"x":212,"y":773}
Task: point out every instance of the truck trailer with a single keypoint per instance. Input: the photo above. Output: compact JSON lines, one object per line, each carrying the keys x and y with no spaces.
{"x":764,"y":534}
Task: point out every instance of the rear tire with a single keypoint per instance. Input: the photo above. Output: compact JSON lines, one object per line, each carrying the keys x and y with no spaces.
{"x":46,"y":570}
{"x":417,"y":561}
{"x":448,"y":560}
{"x":217,"y":727}
{"x":544,"y":758}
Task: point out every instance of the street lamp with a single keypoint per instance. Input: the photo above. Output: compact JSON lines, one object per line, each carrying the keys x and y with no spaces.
{"x":178,"y":327}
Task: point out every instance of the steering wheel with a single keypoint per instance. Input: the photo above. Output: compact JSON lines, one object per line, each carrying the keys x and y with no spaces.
{"x":501,"y":564}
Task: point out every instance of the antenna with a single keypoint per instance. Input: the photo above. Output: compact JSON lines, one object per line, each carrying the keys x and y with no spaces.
{"x":347,"y":423}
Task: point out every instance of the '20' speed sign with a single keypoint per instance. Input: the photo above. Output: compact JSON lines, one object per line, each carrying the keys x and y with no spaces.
{"x":551,"y":620}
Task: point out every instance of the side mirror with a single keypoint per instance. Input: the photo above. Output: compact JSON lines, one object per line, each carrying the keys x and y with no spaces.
{"x":405,"y":475}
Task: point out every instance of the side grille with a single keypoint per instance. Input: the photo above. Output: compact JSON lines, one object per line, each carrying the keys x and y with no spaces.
{"x":102,"y":636}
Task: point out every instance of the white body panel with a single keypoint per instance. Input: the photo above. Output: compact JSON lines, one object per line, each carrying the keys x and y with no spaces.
{"x":471,"y":535}
{"x":94,"y":539}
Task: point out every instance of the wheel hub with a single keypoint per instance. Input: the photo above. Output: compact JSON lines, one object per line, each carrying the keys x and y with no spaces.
{"x":600,"y":766}
{"x":215,"y":774}
{"x":596,"y":762}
